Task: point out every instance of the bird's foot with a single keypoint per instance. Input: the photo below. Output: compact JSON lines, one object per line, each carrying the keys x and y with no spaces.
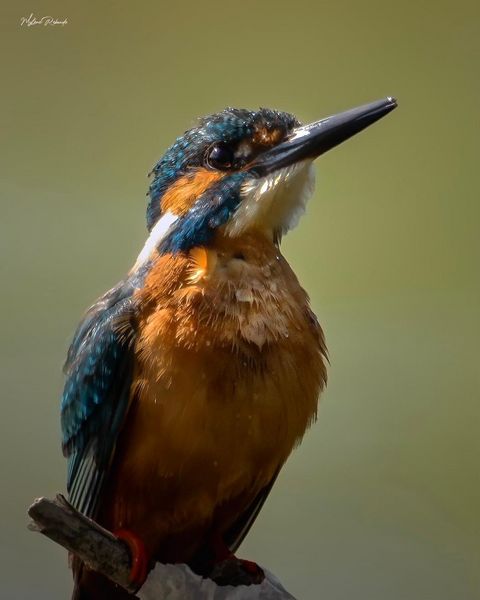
{"x":237,"y":571}
{"x":138,"y":557}
{"x":230,"y":570}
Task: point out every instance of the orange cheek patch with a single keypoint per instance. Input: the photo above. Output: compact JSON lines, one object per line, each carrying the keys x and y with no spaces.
{"x":179,"y":198}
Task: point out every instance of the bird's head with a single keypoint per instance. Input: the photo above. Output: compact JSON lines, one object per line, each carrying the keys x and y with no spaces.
{"x":242,"y":170}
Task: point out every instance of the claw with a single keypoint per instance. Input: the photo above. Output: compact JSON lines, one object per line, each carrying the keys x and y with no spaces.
{"x":252,"y":569}
{"x":230,"y":570}
{"x":138,"y":556}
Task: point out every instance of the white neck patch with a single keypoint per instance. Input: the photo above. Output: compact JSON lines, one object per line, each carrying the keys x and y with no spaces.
{"x":276,"y":202}
{"x":159,"y":231}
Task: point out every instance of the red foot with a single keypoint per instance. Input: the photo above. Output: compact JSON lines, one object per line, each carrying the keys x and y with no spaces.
{"x":138,"y":556}
{"x":251,"y":567}
{"x":223,"y":553}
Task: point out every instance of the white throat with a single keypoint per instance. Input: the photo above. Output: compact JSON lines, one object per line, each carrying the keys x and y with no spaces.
{"x":276,"y":202}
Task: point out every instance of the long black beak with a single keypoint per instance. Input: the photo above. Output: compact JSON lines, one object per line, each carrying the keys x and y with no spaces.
{"x":317,"y":138}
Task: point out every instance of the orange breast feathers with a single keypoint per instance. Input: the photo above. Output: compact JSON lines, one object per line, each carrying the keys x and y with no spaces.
{"x":230,"y":363}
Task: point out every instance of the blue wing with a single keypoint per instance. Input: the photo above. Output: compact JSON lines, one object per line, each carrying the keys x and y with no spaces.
{"x":96,"y":394}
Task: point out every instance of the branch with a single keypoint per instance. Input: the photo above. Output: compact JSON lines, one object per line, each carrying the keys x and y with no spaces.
{"x":96,"y":547}
{"x":103,"y":552}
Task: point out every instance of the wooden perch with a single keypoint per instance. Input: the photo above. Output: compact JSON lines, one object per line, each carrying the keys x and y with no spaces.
{"x":103,"y":552}
{"x":97,"y":547}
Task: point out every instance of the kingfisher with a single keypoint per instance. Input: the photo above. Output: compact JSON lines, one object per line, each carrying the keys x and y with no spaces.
{"x":190,"y":382}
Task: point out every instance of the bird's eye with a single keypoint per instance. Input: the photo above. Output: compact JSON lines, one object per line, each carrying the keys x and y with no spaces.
{"x":220,"y":156}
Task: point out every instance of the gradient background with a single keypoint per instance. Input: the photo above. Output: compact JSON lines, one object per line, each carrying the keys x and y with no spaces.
{"x":382,"y":500}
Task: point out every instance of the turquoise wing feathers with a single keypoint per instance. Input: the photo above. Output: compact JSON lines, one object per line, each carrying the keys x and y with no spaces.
{"x":99,"y":370}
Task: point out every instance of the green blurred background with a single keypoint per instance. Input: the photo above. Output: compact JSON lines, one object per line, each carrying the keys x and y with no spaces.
{"x":382,"y":500}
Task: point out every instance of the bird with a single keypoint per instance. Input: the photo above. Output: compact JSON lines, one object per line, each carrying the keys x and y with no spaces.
{"x":190,"y":382}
